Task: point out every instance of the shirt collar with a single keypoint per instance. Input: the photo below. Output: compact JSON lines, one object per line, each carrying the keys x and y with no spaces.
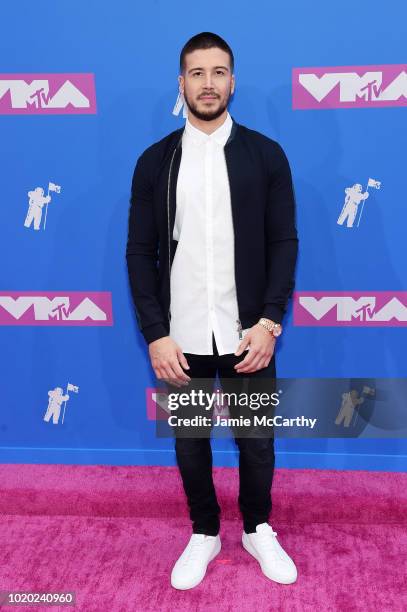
{"x":220,"y":135}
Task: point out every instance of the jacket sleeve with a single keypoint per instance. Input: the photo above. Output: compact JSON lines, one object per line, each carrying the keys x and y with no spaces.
{"x":281,"y":238}
{"x":142,"y":254}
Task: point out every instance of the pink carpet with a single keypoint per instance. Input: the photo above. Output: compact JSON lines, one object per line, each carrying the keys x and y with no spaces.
{"x":113,"y":533}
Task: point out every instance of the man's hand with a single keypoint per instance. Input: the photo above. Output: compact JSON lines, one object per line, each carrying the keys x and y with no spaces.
{"x":262,"y":344}
{"x":167,"y":359}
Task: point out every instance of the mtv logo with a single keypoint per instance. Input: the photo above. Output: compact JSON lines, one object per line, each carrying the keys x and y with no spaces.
{"x":157,"y":404}
{"x":350,"y":309}
{"x":349,"y":86}
{"x":57,"y":308}
{"x":41,"y":94}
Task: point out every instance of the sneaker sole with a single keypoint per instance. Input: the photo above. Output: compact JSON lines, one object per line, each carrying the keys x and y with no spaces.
{"x":211,"y":558}
{"x":249,"y":548}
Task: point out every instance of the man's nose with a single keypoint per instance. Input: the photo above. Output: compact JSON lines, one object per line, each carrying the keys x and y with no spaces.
{"x":208,"y":81}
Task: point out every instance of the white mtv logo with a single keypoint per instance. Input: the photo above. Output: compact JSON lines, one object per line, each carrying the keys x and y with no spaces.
{"x":353,"y":86}
{"x":57,"y":308}
{"x":348,"y":308}
{"x":36,"y":94}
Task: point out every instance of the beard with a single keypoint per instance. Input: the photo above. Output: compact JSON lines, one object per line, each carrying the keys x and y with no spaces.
{"x":208,"y":115}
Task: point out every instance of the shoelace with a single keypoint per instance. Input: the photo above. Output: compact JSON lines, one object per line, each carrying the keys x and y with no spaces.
{"x":266,"y":541}
{"x":194,"y":548}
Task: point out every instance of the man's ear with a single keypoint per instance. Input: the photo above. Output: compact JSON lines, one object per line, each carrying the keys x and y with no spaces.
{"x":232,"y":88}
{"x":181,"y":83}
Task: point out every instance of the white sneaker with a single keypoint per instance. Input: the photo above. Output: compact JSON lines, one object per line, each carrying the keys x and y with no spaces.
{"x":273,"y":560}
{"x":190,"y":568}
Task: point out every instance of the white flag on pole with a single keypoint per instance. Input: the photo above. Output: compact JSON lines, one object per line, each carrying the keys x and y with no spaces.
{"x":73,"y":388}
{"x":57,"y":188}
{"x":372,"y":183}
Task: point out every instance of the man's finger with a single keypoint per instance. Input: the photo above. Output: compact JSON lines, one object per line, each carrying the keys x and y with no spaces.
{"x":257,"y":358}
{"x":244,"y":344}
{"x":160,"y":374}
{"x":172,"y":381}
{"x":253,"y":366}
{"x":180,"y":374}
{"x":182,"y":359}
{"x":176,"y":373}
{"x":248,"y":359}
{"x":169,"y":372}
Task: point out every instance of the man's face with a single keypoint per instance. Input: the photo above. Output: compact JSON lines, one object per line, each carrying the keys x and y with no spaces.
{"x":207,"y":83}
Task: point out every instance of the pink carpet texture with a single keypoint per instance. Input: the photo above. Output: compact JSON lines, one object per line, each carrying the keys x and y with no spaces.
{"x":112,"y":534}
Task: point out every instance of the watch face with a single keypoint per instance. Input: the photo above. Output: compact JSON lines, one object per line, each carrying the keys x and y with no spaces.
{"x":277,"y":331}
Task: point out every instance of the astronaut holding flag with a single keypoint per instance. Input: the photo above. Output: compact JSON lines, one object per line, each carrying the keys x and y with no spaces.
{"x":354,"y":197}
{"x":36,"y":202}
{"x":56,"y":398}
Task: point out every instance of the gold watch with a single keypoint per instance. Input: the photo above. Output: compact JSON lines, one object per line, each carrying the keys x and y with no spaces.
{"x":274,"y":328}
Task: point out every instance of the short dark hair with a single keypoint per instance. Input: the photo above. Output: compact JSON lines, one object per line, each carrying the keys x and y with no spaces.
{"x":205,"y":40}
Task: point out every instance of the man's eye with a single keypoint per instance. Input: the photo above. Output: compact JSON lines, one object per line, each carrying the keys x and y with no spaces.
{"x":220,"y":72}
{"x":196,"y":73}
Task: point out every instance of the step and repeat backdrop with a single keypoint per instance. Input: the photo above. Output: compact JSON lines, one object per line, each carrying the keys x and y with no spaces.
{"x":85,"y":87}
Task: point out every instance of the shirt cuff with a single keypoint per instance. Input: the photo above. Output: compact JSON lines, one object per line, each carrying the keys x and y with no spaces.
{"x":273,"y":312}
{"x":154,"y":332}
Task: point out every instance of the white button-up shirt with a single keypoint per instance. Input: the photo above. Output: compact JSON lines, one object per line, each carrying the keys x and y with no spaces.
{"x":203,"y":290}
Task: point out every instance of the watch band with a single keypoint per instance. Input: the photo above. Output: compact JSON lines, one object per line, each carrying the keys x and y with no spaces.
{"x":274,"y":328}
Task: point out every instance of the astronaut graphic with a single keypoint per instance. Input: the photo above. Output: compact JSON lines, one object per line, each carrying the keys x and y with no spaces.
{"x":353,"y":198}
{"x":36,"y":201}
{"x":350,"y":404}
{"x":354,"y":202}
{"x":56,"y":397}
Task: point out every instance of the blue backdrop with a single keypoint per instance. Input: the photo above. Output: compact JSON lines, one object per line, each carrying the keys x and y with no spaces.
{"x":132,"y":49}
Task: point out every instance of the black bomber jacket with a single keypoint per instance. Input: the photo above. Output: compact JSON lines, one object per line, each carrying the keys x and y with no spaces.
{"x":265,"y":234}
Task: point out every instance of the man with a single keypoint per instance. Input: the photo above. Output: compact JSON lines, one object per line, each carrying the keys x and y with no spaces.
{"x":211,"y":254}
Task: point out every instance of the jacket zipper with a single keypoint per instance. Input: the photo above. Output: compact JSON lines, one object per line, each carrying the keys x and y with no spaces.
{"x":239,"y":324}
{"x":169,"y":231}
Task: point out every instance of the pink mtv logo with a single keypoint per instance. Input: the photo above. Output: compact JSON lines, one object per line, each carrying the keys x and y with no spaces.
{"x":349,"y":86}
{"x":47,"y":94}
{"x":350,"y":308}
{"x":157,"y":404}
{"x":158,"y":409}
{"x":56,"y":308}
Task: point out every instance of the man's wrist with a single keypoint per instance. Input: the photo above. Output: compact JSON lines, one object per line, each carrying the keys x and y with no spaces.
{"x":271,"y":326}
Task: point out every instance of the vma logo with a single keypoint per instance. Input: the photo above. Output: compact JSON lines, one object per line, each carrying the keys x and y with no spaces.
{"x":349,"y":86}
{"x":47,"y":94}
{"x":350,"y":309}
{"x":56,"y":308}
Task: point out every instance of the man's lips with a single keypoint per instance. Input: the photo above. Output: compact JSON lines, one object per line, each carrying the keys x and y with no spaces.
{"x":208,"y":97}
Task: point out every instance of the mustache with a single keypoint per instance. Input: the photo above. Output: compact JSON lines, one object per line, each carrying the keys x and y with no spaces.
{"x":214,"y":95}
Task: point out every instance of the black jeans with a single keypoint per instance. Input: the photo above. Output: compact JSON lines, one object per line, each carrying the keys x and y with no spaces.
{"x":256,"y":456}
